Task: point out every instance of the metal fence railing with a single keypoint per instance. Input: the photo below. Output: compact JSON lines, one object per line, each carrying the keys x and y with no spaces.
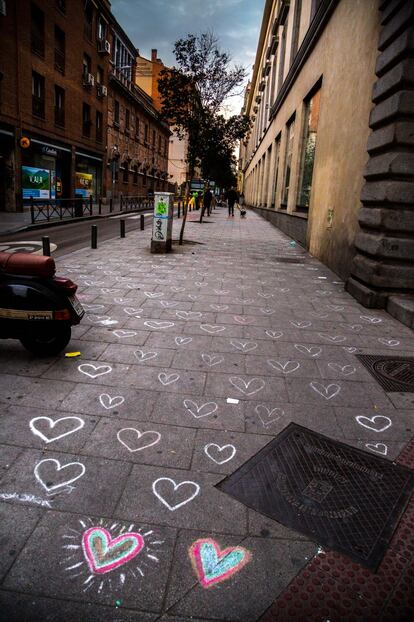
{"x":52,"y":209}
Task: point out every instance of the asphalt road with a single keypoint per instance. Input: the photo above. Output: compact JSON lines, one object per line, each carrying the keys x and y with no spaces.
{"x":70,"y":237}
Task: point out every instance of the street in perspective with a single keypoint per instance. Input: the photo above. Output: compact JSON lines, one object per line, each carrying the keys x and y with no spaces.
{"x":206,"y":311}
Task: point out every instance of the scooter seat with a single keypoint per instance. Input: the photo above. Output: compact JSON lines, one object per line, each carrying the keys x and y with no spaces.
{"x":27,"y":264}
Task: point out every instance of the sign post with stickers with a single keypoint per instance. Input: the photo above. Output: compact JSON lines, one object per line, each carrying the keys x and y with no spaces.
{"x":161,"y":240}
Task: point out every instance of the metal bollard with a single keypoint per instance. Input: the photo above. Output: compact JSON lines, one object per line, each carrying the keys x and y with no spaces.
{"x":110,"y":205}
{"x":122,"y":227}
{"x":179,"y":209}
{"x":46,"y":245}
{"x":94,"y":236}
{"x":100,"y":206}
{"x":142,"y":222}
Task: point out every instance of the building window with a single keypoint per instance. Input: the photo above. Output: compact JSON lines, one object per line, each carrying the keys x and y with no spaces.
{"x":38,"y":95}
{"x":276,"y":170}
{"x":290,"y":133}
{"x":86,"y":120}
{"x":88,"y":24}
{"x":135,"y":177}
{"x":282,"y":57}
{"x":61,"y":5}
{"x":59,"y":106}
{"x":296,"y":27}
{"x":310,"y":129}
{"x":101,"y":29}
{"x":37,"y":30}
{"x":60,"y":45}
{"x":153,"y":139}
{"x":99,"y":75}
{"x":125,"y":173}
{"x":159,"y":143}
{"x":146,"y":134}
{"x":137,"y":128}
{"x":99,"y":126}
{"x":116,"y":112}
{"x":127,"y":119}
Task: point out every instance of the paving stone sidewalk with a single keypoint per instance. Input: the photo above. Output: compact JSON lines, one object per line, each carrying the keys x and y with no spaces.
{"x":109,"y":461}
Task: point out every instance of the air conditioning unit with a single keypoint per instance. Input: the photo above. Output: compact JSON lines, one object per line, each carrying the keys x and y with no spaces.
{"x":104,"y":47}
{"x":88,"y":79}
{"x":102,"y":90}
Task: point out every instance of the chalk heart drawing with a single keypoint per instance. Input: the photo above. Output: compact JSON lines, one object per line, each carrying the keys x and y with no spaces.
{"x":38,"y":421}
{"x":350,"y":349}
{"x":158,"y":324}
{"x":142,"y":356}
{"x":188,"y":315}
{"x":124,"y":333}
{"x":285,"y":368}
{"x":212,"y":359}
{"x":166,"y":486}
{"x":244,"y":346}
{"x":249,"y":387}
{"x":73,"y":471}
{"x":302,"y":324}
{"x":311,"y":350}
{"x":132,"y":311}
{"x":328,"y":392}
{"x":97,"y":319}
{"x":211,"y":328}
{"x":268,"y":415}
{"x":241,"y":320}
{"x":94,"y":307}
{"x":264,"y":295}
{"x":213,"y":565}
{"x":93,"y":371}
{"x":346,"y":370}
{"x":104,"y":553}
{"x":274,"y":334}
{"x":154,"y":294}
{"x":134,"y":440}
{"x":333,"y":338}
{"x":168,"y":303}
{"x":177,"y":288}
{"x":389,"y":342}
{"x":200,"y":411}
{"x":167,"y":379}
{"x":220,"y":454}
{"x":378,"y":423}
{"x":109,"y":402}
{"x":182,"y":341}
{"x":219,"y":307}
{"x":267,"y":311}
{"x":372,"y":320}
{"x":379,"y":448}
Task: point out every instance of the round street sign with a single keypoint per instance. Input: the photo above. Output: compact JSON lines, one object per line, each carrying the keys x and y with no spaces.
{"x":25,"y":246}
{"x":24,"y":142}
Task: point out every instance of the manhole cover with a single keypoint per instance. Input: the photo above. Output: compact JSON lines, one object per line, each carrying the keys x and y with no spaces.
{"x":394,"y":373}
{"x":339,"y":496}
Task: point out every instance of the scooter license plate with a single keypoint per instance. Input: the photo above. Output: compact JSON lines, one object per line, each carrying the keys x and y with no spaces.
{"x":77,"y":306}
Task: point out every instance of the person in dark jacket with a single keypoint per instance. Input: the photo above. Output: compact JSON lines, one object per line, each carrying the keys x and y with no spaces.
{"x":232,"y":197}
{"x":207,"y":199}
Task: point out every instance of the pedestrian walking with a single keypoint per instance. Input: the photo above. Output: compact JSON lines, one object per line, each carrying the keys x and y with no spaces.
{"x":207,"y":199}
{"x":232,"y":197}
{"x":242,"y":205}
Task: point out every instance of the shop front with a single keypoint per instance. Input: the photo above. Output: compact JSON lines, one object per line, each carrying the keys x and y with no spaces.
{"x":7,"y":181}
{"x":88,"y":175}
{"x":45,"y":170}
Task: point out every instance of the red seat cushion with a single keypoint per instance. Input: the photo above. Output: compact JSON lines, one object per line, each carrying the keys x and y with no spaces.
{"x":27,"y":264}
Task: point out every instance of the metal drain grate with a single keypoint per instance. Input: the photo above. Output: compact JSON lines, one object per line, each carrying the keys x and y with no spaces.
{"x":393,"y":373}
{"x":340,"y":496}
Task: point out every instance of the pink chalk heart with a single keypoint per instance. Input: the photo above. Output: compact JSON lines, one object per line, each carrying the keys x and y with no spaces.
{"x":213,"y":565}
{"x":104,"y":554}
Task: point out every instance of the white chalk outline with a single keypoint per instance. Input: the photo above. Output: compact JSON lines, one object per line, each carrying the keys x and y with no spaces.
{"x":59,"y":468}
{"x":95,"y":367}
{"x":220,"y":448}
{"x":186,"y":402}
{"x":176,"y":486}
{"x":167,"y":378}
{"x":111,"y":399}
{"x":371,"y":419}
{"x":233,"y":380}
{"x":52,"y":424}
{"x":140,"y":435}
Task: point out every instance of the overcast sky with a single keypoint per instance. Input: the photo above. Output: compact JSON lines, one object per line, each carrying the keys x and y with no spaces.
{"x":159,"y":23}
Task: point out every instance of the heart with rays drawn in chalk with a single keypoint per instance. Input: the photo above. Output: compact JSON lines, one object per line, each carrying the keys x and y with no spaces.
{"x":104,"y":553}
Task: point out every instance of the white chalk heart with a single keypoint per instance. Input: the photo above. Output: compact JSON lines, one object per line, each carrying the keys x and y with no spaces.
{"x":219,"y":307}
{"x":93,"y":371}
{"x":212,"y":359}
{"x":249,"y":387}
{"x":160,"y":482}
{"x":131,"y":438}
{"x":346,"y":370}
{"x":267,"y":311}
{"x":154,"y":294}
{"x":311,"y":350}
{"x":351,"y":349}
{"x":124,"y":333}
{"x":333,"y":338}
{"x":111,"y":402}
{"x":244,"y":346}
{"x":51,"y":423}
{"x":389,"y":342}
{"x":379,"y":448}
{"x":274,"y":334}
{"x":286,"y":368}
{"x":303,"y":324}
{"x":328,"y":392}
{"x":132,"y":311}
{"x":241,"y":320}
{"x":167,"y":379}
{"x":93,"y":307}
{"x":144,"y":356}
{"x":210,"y":328}
{"x":200,"y":411}
{"x":268,"y":416}
{"x":386,"y":422}
{"x":79,"y":467}
{"x":372,"y":320}
{"x":158,"y":324}
{"x":211,"y":449}
{"x":188,"y":315}
{"x":177,"y":288}
{"x":182,"y":341}
{"x":168,"y":303}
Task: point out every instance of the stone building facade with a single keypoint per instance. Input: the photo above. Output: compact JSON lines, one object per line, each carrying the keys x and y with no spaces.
{"x":331,"y":77}
{"x":54,"y":61}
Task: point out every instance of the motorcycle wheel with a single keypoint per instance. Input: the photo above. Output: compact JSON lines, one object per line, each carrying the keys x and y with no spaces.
{"x":47,"y":342}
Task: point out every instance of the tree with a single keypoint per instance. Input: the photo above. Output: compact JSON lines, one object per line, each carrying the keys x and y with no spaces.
{"x":192,"y":95}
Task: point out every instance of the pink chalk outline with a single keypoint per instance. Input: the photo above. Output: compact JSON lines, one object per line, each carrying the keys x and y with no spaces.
{"x":90,"y":556}
{"x":197,"y":562}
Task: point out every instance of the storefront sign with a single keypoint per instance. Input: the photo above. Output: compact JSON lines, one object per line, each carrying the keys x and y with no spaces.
{"x":84,"y":184}
{"x":49,"y":151}
{"x":35,"y":182}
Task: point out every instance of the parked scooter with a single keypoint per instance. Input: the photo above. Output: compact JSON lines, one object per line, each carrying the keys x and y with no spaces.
{"x":36,"y":307}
